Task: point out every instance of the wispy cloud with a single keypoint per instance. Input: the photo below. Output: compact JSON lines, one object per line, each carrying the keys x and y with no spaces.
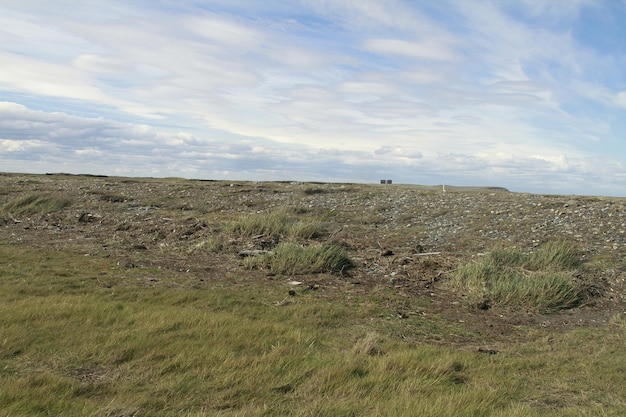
{"x":428,"y":50}
{"x":501,"y":93}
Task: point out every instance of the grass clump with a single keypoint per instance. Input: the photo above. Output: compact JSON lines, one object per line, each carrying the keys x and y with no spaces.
{"x":293,"y":259}
{"x":540,"y":281}
{"x":282,"y":222}
{"x":554,"y":255}
{"x":305,"y":229}
{"x":35,"y":203}
{"x":211,"y":244}
{"x":269,"y":224}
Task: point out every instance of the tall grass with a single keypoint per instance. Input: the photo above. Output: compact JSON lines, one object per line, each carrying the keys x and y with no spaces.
{"x":541,"y":281}
{"x":294,"y":259}
{"x":35,"y":204}
{"x":556,"y":255}
{"x":281,"y":222}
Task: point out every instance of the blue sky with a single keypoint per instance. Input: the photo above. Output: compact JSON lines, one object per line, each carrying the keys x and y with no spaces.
{"x":524,"y":94}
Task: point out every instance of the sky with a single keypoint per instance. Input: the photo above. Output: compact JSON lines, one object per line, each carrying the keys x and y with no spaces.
{"x":524,"y":94}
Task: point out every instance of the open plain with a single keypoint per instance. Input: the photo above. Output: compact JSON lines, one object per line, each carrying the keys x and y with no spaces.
{"x":143,"y":296}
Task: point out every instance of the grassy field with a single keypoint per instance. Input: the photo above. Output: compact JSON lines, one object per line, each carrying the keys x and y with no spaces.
{"x":81,"y":336}
{"x":134,"y":297}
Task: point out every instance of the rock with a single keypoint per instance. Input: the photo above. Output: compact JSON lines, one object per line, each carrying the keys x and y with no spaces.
{"x":89,"y":218}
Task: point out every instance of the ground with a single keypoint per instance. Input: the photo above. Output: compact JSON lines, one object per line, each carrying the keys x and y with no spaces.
{"x":404,"y":240}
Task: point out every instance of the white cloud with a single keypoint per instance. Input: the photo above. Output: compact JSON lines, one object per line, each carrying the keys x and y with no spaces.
{"x":429,"y":49}
{"x":620,"y":99}
{"x":95,"y":63}
{"x":377,"y":16}
{"x":23,"y":74}
{"x":89,"y":152}
{"x":223,"y":32}
{"x":13,"y":145}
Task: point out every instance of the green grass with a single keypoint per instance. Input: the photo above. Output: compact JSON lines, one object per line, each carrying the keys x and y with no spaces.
{"x":294,"y":259}
{"x":34,"y":204}
{"x":277,"y":223}
{"x":556,"y":255}
{"x":82,"y":336}
{"x":543,"y":280}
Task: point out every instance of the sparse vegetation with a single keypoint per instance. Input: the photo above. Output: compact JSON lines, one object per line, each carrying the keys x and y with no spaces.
{"x":357,"y":300}
{"x":111,"y":197}
{"x":540,"y":281}
{"x":314,"y":190}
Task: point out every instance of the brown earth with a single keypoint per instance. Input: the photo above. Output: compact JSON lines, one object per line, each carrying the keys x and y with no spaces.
{"x":404,"y":239}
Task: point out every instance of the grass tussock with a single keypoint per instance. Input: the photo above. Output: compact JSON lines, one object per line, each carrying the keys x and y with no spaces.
{"x":294,"y":259}
{"x":543,"y":280}
{"x":557,"y":255}
{"x":35,"y":204}
{"x":211,"y":244}
{"x":282,"y":222}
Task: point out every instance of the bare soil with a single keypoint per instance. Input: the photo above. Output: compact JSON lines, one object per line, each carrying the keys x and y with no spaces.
{"x":404,"y":239}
